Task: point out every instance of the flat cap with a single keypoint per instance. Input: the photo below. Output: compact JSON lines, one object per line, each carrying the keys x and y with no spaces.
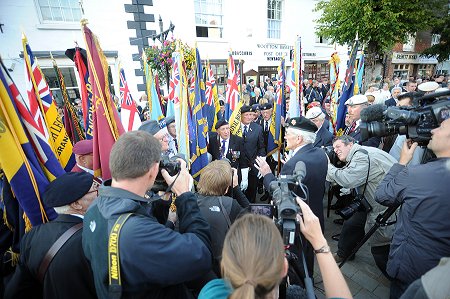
{"x":428,"y":86}
{"x":220,"y":123}
{"x":266,"y":106}
{"x":67,"y":188}
{"x":246,"y":108}
{"x":302,"y":123}
{"x":313,"y":113}
{"x":357,"y":99}
{"x":83,"y":147}
{"x":150,"y":126}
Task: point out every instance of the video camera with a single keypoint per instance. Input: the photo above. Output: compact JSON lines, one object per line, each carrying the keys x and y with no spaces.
{"x":416,"y":122}
{"x":284,"y":191}
{"x":172,"y":166}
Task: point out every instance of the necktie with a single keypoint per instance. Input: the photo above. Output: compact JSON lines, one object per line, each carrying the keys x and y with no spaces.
{"x":176,"y":144}
{"x":222,"y":150}
{"x":245,"y":131}
{"x":266,"y":126}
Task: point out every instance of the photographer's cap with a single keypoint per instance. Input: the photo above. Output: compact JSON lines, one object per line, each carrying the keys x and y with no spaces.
{"x":428,"y":86}
{"x":314,"y":112}
{"x":357,"y":99}
{"x":302,"y":123}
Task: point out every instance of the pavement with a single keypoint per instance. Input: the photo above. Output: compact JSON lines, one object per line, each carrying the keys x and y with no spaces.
{"x":363,"y":277}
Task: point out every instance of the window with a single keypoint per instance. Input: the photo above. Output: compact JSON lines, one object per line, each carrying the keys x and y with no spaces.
{"x":322,"y":40}
{"x":401,"y":71}
{"x":274,"y":19}
{"x":69,"y":79}
{"x":410,"y":44}
{"x":220,"y":73}
{"x":208,"y":18}
{"x":425,"y":70}
{"x":435,"y":39}
{"x":59,"y":10}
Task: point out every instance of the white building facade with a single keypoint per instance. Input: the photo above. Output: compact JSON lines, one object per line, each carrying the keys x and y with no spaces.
{"x":257,"y":32}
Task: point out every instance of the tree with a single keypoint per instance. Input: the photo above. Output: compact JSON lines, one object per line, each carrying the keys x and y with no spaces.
{"x":441,"y":50}
{"x":379,"y":23}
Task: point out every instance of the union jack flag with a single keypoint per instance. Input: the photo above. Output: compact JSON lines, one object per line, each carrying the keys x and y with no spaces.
{"x":174,"y":83}
{"x":125,"y":95}
{"x":232,"y":94}
{"x":210,"y":83}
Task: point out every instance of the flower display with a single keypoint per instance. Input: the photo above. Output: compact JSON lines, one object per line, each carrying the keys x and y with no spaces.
{"x":160,"y":57}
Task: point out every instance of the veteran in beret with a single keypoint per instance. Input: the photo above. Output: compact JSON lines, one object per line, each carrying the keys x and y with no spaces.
{"x":83,"y":156}
{"x":65,"y":273}
{"x":253,"y":147}
{"x":159,"y":131}
{"x":300,"y":136}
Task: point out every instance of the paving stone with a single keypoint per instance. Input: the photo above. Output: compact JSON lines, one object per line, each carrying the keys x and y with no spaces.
{"x":382,"y":291}
{"x":364,"y":294}
{"x":365,"y":281}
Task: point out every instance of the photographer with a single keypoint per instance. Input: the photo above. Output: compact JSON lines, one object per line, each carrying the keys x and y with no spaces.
{"x":365,"y":168}
{"x":152,"y":260}
{"x":422,"y":234}
{"x":220,"y":211}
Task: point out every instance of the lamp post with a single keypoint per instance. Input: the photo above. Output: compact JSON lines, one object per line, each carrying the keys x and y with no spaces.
{"x":162,"y":36}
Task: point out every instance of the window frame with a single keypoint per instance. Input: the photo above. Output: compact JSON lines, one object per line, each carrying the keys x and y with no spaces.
{"x":274,"y":16}
{"x":64,"y":21}
{"x":215,"y":12}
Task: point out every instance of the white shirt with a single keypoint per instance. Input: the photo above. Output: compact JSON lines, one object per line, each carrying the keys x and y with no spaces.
{"x":268,"y":124}
{"x":242,"y":128}
{"x":294,"y":151}
{"x":86,"y":169}
{"x":172,"y":148}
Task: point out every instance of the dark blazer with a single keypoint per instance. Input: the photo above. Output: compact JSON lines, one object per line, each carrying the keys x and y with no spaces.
{"x":390,"y":102}
{"x":69,"y":274}
{"x":323,"y":137}
{"x":261,"y":122}
{"x":316,"y":170}
{"x":236,"y":143}
{"x":254,"y":145}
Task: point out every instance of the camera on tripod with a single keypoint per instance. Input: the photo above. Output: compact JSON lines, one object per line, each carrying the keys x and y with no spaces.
{"x":172,"y":166}
{"x":284,"y":192}
{"x":415,"y":122}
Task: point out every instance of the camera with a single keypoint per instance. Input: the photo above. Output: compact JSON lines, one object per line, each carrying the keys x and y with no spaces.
{"x":284,"y":192}
{"x":172,"y":166}
{"x":415,"y":122}
{"x":329,"y":151}
{"x":359,"y":203}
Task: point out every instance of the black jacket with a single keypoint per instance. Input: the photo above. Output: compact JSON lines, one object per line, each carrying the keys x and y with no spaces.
{"x":69,"y":274}
{"x":254,"y":145}
{"x":236,"y":143}
{"x":323,"y":137}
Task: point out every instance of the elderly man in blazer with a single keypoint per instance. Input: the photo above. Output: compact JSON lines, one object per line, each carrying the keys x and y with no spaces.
{"x":323,"y":135}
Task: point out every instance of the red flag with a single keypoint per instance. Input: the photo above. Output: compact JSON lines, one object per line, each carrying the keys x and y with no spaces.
{"x":106,"y":123}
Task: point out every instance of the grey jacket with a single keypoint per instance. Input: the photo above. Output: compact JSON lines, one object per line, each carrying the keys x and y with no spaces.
{"x":353,"y":175}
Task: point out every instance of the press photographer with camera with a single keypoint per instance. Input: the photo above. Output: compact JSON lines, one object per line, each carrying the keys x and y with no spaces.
{"x":422,"y":234}
{"x":131,"y":254}
{"x":300,"y":135}
{"x":364,"y":169}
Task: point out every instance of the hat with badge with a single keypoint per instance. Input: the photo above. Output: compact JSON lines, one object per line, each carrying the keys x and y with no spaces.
{"x":220,"y":123}
{"x":313,"y":113}
{"x":83,"y":147}
{"x":302,"y":123}
{"x":266,"y":106}
{"x":150,"y":126}
{"x":357,"y":99}
{"x":246,"y":108}
{"x":256,"y":107}
{"x":67,"y":188}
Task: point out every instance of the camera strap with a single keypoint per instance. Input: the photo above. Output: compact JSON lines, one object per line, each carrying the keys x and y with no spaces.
{"x":115,"y":283}
{"x":368,"y":170}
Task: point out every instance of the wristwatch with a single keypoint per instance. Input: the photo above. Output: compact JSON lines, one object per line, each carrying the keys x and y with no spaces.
{"x":324,"y":249}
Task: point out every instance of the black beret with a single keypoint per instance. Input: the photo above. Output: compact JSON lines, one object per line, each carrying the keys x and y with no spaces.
{"x":251,"y":80}
{"x":170,"y":120}
{"x":221,"y":103}
{"x":67,"y":188}
{"x":256,"y":107}
{"x":150,"y":126}
{"x":220,"y":123}
{"x":266,"y":106}
{"x":246,"y":108}
{"x":302,"y":123}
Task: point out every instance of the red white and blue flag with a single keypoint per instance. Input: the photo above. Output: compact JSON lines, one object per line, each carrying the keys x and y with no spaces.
{"x":232,"y":94}
{"x":129,"y":114}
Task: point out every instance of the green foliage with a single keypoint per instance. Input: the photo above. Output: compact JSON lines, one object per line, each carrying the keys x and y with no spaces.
{"x":442,"y":49}
{"x":379,"y":23}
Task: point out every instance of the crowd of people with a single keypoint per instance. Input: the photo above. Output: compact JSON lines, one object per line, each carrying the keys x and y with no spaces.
{"x":129,"y":238}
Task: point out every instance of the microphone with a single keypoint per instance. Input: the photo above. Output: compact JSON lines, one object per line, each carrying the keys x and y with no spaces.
{"x":373,"y":113}
{"x":300,"y":170}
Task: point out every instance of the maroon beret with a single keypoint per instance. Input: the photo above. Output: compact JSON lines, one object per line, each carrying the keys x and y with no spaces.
{"x":83,"y":147}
